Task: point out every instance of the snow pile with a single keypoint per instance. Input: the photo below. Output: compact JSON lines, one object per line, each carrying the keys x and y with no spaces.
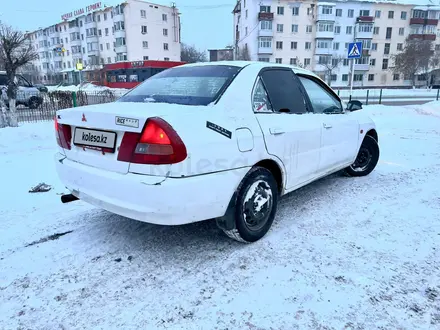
{"x":86,"y":87}
{"x":344,"y":253}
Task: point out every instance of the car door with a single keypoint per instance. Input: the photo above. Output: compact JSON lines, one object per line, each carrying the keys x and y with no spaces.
{"x":289,"y":133}
{"x":340,"y":131}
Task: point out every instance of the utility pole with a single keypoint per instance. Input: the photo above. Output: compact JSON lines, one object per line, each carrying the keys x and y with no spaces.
{"x":353,"y":61}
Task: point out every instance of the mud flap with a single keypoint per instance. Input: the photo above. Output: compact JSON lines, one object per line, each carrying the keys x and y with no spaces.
{"x":227,"y":222}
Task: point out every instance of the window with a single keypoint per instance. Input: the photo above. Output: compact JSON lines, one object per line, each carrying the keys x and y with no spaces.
{"x":322,"y":59}
{"x":346,"y":45}
{"x":145,"y":44}
{"x":401,"y":31}
{"x":264,"y":9}
{"x":295,"y":11}
{"x":334,"y":77}
{"x":345,"y":77}
{"x":105,"y":18}
{"x":146,"y":58}
{"x":371,"y":77}
{"x":293,"y":45}
{"x":400,"y":47}
{"x":437,"y":47}
{"x":396,"y":76}
{"x":309,"y":11}
{"x":389,"y":32}
{"x":294,"y":28}
{"x":366,"y":43}
{"x":349,"y":30}
{"x":326,"y":27}
{"x":327,"y":10}
{"x":377,"y":14}
{"x":386,"y":50}
{"x":107,"y":45}
{"x":293,"y":61}
{"x":184,"y":85}
{"x":143,"y":14}
{"x":99,"y":18}
{"x":376,"y":30}
{"x":336,"y":46}
{"x":372,"y":62}
{"x":101,"y":47}
{"x":165,"y":32}
{"x":265,"y":42}
{"x":99,"y":33}
{"x":374,"y":46}
{"x":266,"y":25}
{"x":346,"y":62}
{"x":323,"y":44}
{"x":391,"y":14}
{"x":365,"y":27}
{"x":337,"y":30}
{"x":165,"y":46}
{"x":307,"y":62}
{"x":263,"y":59}
{"x":323,"y":101}
{"x":143,"y":29}
{"x":309,"y":28}
{"x":279,"y":45}
{"x":106,"y":31}
{"x":120,"y":42}
{"x":260,"y":100}
{"x":280,"y":10}
{"x":308,"y":45}
{"x":164,"y":17}
{"x":166,"y":58}
{"x":280,"y":27}
{"x":358,"y":77}
{"x":385,"y":64}
{"x":350,"y":13}
{"x":338,"y":12}
{"x":364,"y":12}
{"x":403,"y":14}
{"x":279,"y":60}
{"x":246,"y":31}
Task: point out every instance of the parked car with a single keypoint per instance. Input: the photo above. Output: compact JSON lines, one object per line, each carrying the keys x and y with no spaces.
{"x":218,"y":140}
{"x":41,"y":88}
{"x":27,"y":94}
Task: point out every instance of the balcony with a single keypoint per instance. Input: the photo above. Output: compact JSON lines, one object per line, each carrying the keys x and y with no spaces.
{"x":364,"y":35}
{"x":365,"y":19}
{"x":121,"y":49}
{"x":77,"y":55}
{"x":74,"y":29}
{"x":323,"y":51}
{"x":94,"y":52}
{"x":263,"y":16}
{"x":265,"y":50}
{"x":265,"y":33}
{"x":361,"y":67}
{"x":120,"y":34}
{"x":76,"y":42}
{"x":325,"y":35}
{"x":423,"y":21}
{"x":92,"y":38}
{"x":366,"y":53}
{"x":430,"y":37}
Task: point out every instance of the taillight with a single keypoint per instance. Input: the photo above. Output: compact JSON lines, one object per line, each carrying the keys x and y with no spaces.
{"x":158,"y":144}
{"x":63,"y":134}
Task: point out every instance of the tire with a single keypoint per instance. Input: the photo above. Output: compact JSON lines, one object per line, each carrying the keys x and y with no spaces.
{"x":252,"y":224}
{"x":366,"y":160}
{"x":34,"y":102}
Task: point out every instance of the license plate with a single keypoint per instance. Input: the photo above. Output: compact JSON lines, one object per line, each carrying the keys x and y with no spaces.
{"x":95,"y":138}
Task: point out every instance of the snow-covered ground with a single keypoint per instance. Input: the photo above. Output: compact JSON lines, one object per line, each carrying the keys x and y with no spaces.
{"x":344,"y":253}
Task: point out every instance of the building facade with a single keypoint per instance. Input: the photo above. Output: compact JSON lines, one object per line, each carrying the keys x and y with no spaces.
{"x":316,"y":34}
{"x":225,"y":54}
{"x":96,"y":35}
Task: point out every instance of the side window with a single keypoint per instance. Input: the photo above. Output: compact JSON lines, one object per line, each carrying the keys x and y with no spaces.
{"x":260,"y":101}
{"x":322,"y":100}
{"x":284,"y":91}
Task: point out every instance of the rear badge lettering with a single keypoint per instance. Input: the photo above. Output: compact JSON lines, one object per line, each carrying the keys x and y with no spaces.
{"x":129,"y":122}
{"x":219,"y":129}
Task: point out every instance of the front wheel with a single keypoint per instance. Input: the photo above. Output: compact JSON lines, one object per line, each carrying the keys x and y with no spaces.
{"x":366,"y":159}
{"x":34,"y":102}
{"x":256,"y":205}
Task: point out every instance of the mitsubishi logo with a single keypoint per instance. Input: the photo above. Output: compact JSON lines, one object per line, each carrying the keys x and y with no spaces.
{"x":84,"y":118}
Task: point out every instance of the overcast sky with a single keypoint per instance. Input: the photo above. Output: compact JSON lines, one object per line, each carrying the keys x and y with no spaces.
{"x":206,"y":24}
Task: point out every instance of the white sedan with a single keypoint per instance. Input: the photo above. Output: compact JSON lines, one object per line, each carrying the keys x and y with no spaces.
{"x":218,"y":140}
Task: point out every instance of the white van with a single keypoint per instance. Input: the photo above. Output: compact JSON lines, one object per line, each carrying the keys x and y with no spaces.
{"x":27,"y":94}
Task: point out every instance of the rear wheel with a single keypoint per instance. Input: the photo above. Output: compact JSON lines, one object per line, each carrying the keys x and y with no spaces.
{"x":256,"y":205}
{"x":366,"y":159}
{"x":34,"y":102}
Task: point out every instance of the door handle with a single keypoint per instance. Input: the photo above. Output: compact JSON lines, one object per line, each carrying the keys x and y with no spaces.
{"x":276,"y":131}
{"x":327,"y":126}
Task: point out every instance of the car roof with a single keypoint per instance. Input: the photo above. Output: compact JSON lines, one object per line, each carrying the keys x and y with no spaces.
{"x":262,"y":65}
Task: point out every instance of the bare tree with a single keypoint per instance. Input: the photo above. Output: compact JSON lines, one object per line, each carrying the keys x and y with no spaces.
{"x":243,"y":54}
{"x":190,"y":54}
{"x":330,"y":64}
{"x":416,"y":57}
{"x":15,"y":53}
{"x":300,"y":64}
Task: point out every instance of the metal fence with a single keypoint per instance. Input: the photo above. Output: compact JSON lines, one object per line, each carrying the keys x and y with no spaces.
{"x":43,"y":106}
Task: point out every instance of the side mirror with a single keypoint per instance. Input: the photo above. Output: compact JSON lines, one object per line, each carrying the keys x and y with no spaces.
{"x":354,"y":105}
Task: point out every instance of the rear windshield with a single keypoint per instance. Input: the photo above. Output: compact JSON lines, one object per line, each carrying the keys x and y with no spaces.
{"x":198,"y":85}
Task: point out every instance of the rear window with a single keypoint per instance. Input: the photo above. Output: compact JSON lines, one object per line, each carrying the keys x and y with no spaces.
{"x":198,"y":85}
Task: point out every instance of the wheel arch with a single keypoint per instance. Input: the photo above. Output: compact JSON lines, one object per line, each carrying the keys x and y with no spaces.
{"x":373,"y":133}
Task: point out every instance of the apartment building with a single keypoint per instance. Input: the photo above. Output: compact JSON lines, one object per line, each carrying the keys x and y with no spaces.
{"x":134,"y":30}
{"x":315,"y":34}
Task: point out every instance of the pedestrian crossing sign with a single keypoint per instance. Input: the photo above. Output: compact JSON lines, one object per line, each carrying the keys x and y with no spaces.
{"x":355,"y":50}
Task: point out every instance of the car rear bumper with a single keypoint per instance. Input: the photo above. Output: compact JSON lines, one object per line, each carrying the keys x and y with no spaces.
{"x":152,"y":199}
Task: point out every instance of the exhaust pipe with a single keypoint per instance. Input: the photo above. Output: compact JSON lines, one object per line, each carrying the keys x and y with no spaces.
{"x":68,"y":198}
